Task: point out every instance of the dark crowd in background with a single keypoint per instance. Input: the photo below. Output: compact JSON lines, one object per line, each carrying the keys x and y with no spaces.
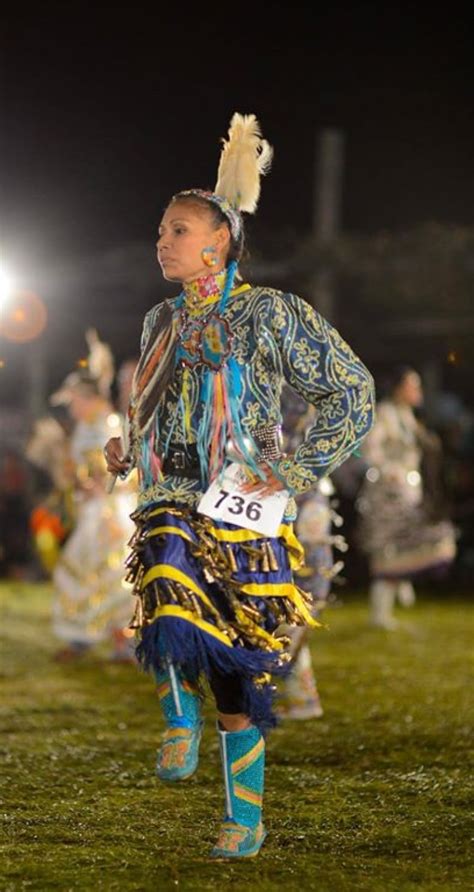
{"x":23,"y":486}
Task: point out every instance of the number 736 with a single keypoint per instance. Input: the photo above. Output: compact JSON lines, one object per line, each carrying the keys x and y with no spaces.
{"x":253,"y":510}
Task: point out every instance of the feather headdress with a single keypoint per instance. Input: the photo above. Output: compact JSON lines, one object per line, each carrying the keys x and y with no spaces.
{"x":245,"y":157}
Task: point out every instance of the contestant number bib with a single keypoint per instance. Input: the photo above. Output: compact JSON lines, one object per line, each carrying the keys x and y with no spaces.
{"x":225,"y":501}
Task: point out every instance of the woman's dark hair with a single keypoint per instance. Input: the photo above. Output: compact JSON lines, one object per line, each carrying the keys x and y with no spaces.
{"x":236,"y":246}
{"x":397,"y":376}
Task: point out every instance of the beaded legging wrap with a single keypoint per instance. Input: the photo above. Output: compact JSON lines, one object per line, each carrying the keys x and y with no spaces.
{"x":211,"y":596}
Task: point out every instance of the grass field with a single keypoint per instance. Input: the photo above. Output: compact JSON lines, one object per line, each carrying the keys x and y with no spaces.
{"x":376,"y":795}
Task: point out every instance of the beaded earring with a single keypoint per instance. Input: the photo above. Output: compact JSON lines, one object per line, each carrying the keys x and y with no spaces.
{"x":209,"y":256}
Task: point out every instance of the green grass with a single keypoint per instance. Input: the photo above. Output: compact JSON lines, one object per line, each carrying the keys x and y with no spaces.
{"x":373,"y":796}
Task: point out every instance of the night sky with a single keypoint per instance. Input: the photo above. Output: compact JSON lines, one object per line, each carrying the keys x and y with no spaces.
{"x":105,"y":114}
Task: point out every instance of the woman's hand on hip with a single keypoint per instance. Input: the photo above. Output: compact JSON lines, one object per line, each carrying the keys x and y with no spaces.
{"x":267,"y":487}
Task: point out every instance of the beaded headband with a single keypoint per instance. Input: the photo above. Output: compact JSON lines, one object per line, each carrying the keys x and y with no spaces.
{"x":231,"y":214}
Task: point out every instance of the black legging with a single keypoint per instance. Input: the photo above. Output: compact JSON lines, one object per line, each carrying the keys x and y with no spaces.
{"x":227,"y":690}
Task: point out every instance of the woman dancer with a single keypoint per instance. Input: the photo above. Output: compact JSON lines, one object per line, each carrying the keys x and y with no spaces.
{"x":212,"y":589}
{"x":403,"y":528}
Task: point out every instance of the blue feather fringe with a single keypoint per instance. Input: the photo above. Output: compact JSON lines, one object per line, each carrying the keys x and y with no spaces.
{"x":229,"y":284}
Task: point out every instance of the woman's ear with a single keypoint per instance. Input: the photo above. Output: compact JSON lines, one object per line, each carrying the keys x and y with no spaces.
{"x":222,"y":239}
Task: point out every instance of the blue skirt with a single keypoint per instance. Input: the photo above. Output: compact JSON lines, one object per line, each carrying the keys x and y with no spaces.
{"x":211,"y":597}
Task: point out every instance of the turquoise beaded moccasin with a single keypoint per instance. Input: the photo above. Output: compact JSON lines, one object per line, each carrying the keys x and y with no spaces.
{"x":238,"y":841}
{"x":179,"y":754}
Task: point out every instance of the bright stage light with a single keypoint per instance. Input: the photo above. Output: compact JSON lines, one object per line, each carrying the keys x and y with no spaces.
{"x":23,"y":315}
{"x":7,"y":286}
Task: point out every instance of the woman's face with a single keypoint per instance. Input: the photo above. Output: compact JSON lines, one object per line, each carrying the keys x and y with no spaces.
{"x":185,"y":231}
{"x":410,"y":391}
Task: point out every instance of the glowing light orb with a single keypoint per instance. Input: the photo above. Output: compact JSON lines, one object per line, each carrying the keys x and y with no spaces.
{"x":23,"y":317}
{"x":372,"y":475}
{"x":113,"y":420}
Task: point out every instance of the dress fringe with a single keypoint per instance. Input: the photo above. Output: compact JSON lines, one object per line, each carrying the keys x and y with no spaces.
{"x":212,"y":596}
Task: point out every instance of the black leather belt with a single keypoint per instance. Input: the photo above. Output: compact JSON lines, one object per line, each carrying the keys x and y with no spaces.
{"x":182,"y":462}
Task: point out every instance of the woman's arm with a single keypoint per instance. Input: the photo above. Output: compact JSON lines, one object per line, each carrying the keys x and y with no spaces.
{"x":323,"y":369}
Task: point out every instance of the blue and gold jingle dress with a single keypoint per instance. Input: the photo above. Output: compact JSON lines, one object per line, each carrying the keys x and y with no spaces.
{"x":212,"y":595}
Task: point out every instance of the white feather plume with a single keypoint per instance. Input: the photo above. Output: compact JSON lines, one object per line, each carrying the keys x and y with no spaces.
{"x":245,"y":157}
